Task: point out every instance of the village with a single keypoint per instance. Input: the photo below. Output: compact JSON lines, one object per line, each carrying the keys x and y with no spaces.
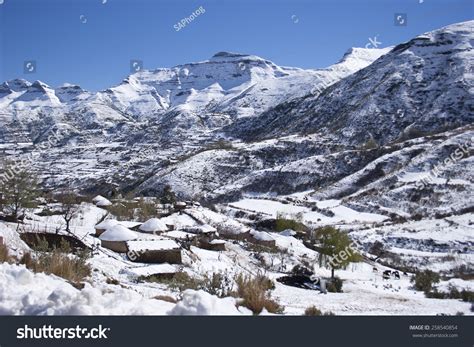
{"x":172,"y":251}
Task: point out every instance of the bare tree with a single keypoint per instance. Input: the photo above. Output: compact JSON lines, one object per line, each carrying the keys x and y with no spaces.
{"x":70,"y":207}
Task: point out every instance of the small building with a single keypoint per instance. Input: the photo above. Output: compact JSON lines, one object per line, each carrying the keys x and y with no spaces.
{"x":153,"y":225}
{"x":261,"y":238}
{"x":154,"y":251}
{"x":204,"y":229}
{"x":100,"y":201}
{"x":213,"y":245}
{"x":131,"y":225}
{"x":180,"y":205}
{"x":179,"y":235}
{"x":116,"y":237}
{"x":104,"y":225}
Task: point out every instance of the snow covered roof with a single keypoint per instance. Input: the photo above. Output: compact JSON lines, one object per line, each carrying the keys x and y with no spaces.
{"x":129,"y":224}
{"x":98,"y":198}
{"x":259,"y":235}
{"x":217,"y":242}
{"x":107,"y":224}
{"x":201,"y":229}
{"x":118,"y":233}
{"x":101,"y":201}
{"x":152,"y":225}
{"x":152,"y":245}
{"x":288,"y":232}
{"x":178,"y":234}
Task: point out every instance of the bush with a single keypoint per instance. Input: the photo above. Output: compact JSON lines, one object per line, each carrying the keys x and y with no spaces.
{"x":464,"y":272}
{"x":454,"y":293}
{"x":180,"y":281}
{"x":424,"y":280}
{"x":218,"y":283}
{"x":4,"y":255}
{"x":334,"y":285}
{"x":71,"y":268}
{"x":123,"y":210}
{"x":146,"y":210}
{"x":282,"y":222}
{"x":254,"y":292}
{"x":313,"y":311}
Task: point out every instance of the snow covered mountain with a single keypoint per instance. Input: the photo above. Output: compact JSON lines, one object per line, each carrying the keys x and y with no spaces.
{"x":378,"y":145}
{"x":237,"y":124}
{"x":421,"y":86}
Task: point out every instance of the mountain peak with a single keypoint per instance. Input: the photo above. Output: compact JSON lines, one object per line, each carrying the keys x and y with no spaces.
{"x":225,"y":54}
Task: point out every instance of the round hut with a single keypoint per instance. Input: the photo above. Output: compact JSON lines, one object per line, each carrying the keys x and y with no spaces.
{"x":100,"y":201}
{"x":116,"y":238}
{"x":153,"y":226}
{"x":104,"y":225}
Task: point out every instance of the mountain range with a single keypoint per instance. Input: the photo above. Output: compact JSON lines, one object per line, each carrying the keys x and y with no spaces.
{"x":365,"y":129}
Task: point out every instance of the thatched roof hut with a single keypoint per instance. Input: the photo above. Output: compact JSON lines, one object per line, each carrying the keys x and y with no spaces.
{"x":153,"y":225}
{"x":100,"y":201}
{"x":116,"y":237}
{"x":104,"y":225}
{"x":261,"y":238}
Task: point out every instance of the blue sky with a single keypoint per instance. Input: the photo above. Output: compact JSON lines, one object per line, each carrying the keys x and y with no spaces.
{"x":96,"y":54}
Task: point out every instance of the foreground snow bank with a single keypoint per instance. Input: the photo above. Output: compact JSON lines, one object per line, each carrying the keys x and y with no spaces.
{"x":200,"y":303}
{"x":25,"y":293}
{"x":21,"y":294}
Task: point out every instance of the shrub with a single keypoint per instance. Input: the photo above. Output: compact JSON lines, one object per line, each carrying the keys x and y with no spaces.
{"x":146,"y":210}
{"x":112,"y":281}
{"x":123,"y":210}
{"x":464,"y":272}
{"x":254,"y":292}
{"x":312,"y":311}
{"x":283,"y":222}
{"x":424,"y":280}
{"x":71,"y":268}
{"x":4,"y":255}
{"x":218,"y":283}
{"x":180,"y":281}
{"x":334,"y":285}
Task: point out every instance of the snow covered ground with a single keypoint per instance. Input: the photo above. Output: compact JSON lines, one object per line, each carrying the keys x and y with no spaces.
{"x":364,"y":291}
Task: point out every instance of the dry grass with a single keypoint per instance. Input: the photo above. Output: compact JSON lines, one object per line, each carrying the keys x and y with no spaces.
{"x":73,"y":269}
{"x":314,"y":311}
{"x":255,"y":294}
{"x":4,"y":255}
